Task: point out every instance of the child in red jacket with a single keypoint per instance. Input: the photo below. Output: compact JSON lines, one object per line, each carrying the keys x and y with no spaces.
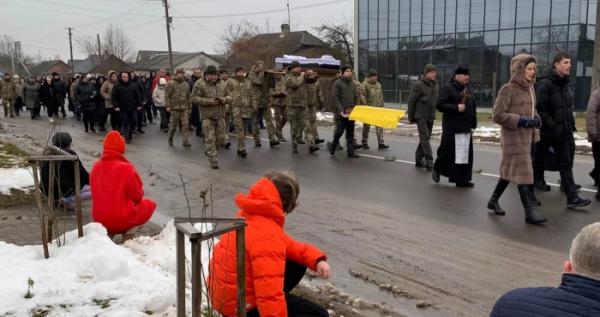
{"x":275,"y":262}
{"x":119,"y":203}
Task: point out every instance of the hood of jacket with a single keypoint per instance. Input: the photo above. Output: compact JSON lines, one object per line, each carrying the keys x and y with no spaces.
{"x":550,"y":73}
{"x":262,"y":200}
{"x":517,"y":70}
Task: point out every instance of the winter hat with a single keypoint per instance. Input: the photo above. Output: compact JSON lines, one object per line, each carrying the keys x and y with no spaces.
{"x":210,"y":70}
{"x":294,"y":64}
{"x":345,"y":68}
{"x":429,"y":68}
{"x":62,"y":140}
{"x":114,"y":142}
{"x":223,"y":70}
{"x":180,"y":70}
{"x":372,"y":72}
{"x":462,"y":69}
{"x":238,"y":68}
{"x":55,"y":74}
{"x":162,"y":81}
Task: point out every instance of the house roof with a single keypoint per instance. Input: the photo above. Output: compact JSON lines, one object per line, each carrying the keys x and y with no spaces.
{"x":293,"y":40}
{"x":45,"y":66}
{"x":95,"y":63}
{"x":153,"y":60}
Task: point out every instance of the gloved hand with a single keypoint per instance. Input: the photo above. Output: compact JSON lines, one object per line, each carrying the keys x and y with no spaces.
{"x":525,"y":122}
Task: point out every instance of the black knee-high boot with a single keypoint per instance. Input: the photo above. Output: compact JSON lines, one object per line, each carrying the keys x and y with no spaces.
{"x":493,"y":202}
{"x":531,"y":216}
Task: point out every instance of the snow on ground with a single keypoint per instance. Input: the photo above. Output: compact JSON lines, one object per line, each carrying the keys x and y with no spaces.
{"x":18,"y":178}
{"x":93,"y":276}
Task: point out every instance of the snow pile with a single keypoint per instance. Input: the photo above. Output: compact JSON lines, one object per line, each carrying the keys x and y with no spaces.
{"x":487,"y":132}
{"x":17,"y":178}
{"x":581,"y":141}
{"x":93,"y":276}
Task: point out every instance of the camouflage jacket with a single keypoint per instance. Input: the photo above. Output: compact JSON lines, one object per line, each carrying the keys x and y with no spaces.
{"x":239,"y":90}
{"x":296,"y":90}
{"x":372,"y":92}
{"x":314,"y":95}
{"x":361,"y":92}
{"x":177,"y":95}
{"x":8,"y":89}
{"x":257,"y":83}
{"x":204,"y":91}
{"x":278,"y":94}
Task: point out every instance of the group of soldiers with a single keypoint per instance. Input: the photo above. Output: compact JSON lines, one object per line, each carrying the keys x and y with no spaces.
{"x":243,"y":101}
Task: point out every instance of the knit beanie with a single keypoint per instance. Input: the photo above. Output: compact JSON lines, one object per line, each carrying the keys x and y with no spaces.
{"x":210,"y":70}
{"x":294,"y":64}
{"x":114,"y":142}
{"x":429,"y":68}
{"x":55,"y":74}
{"x":371,"y":73}
{"x":238,"y":68}
{"x":462,"y":69}
{"x":345,"y":68}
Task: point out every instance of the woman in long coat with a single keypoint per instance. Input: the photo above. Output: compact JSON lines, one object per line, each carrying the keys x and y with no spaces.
{"x":515,"y":112}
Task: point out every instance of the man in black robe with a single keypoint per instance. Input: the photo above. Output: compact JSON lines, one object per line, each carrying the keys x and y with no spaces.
{"x":455,"y":153}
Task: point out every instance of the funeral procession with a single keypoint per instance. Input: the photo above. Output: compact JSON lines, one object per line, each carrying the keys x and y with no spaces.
{"x":274,"y":158}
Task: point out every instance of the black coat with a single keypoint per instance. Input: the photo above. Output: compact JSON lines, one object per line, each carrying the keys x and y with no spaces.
{"x":126,"y":96}
{"x":555,"y":105}
{"x":85,"y":94}
{"x":58,"y":89}
{"x":577,"y":296}
{"x":453,"y":121}
{"x":141,"y":89}
{"x":46,"y":95}
{"x":64,"y":179}
{"x":345,"y":95}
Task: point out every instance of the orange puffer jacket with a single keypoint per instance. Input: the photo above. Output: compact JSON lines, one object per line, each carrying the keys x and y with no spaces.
{"x":267,"y":248}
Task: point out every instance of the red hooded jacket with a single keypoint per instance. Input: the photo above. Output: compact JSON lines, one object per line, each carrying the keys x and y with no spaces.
{"x":117,"y":188}
{"x":267,"y":248}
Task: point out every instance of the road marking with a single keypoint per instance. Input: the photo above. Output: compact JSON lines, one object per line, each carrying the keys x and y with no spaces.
{"x":484,"y":174}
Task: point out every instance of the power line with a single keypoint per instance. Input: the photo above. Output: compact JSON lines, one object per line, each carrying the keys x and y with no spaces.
{"x":90,"y":9}
{"x":264,"y":11}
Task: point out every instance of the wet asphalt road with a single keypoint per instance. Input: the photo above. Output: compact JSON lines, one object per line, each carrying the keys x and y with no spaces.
{"x":383,"y":219}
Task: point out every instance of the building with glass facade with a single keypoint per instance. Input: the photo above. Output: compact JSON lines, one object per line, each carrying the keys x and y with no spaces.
{"x":398,"y":37}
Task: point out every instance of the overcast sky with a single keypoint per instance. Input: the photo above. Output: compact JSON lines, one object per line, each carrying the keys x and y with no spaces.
{"x":40,"y":24}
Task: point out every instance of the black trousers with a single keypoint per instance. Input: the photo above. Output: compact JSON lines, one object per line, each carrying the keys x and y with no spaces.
{"x":564,"y":147}
{"x":296,"y":306}
{"x":18,"y":105}
{"x":88,"y":118}
{"x":139,"y":118}
{"x":115,"y":118}
{"x":596,"y":171}
{"x":164,"y":118}
{"x":343,"y":125}
{"x":128,"y":123}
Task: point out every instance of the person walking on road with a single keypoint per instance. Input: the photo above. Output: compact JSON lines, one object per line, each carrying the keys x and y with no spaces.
{"x":514,"y":110}
{"x":158,"y":98}
{"x":555,"y":106}
{"x":256,"y":76}
{"x":177,"y":101}
{"x":455,"y":153}
{"x":421,"y":110}
{"x":85,"y":94}
{"x":31,"y":97}
{"x":593,"y":131}
{"x":345,"y":97}
{"x":139,"y":84}
{"x":241,"y":107}
{"x":48,"y":100}
{"x":59,"y":91}
{"x":126,"y":100}
{"x":296,"y":86}
{"x":106,"y":92}
{"x":373,"y":96}
{"x":278,"y":102}
{"x":8,"y":94}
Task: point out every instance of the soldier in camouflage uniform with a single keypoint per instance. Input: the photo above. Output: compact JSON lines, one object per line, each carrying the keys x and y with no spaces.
{"x":223,"y":79}
{"x":296,"y":92}
{"x":8,"y":93}
{"x":278,"y":103}
{"x":210,"y":94}
{"x":372,"y":96}
{"x":315,"y":102}
{"x":177,"y":102}
{"x":256,"y":76}
{"x":241,"y":107}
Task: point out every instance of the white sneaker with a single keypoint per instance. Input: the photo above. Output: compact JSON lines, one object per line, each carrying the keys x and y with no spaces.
{"x":51,"y":120}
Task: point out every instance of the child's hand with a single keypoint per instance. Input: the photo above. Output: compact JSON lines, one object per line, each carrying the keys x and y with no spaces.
{"x":323,"y":269}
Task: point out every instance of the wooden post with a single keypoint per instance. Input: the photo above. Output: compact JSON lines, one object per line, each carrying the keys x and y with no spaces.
{"x":38,"y":199}
{"x":180,"y":249}
{"x":78,"y":199}
{"x":241,"y":270}
{"x":196,"y":278}
{"x":50,"y":194}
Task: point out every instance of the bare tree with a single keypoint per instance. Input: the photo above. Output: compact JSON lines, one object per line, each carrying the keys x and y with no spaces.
{"x":235,"y":34}
{"x":114,"y":41}
{"x":340,"y":38}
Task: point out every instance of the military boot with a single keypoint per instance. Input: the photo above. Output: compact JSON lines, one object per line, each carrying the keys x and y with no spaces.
{"x":312,"y":149}
{"x":170,"y":141}
{"x":214,"y":164}
{"x":242,"y":153}
{"x":295,"y":148}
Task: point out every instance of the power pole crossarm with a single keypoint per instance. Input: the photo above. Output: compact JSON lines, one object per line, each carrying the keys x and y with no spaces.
{"x":168,"y":20}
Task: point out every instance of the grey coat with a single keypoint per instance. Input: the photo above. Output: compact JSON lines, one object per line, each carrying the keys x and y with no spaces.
{"x":593,"y":117}
{"x":422,"y":100}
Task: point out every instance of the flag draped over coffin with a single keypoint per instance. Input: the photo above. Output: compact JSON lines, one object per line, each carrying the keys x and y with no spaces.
{"x":377,"y":116}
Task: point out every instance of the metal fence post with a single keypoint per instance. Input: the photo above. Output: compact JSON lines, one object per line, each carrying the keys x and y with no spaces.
{"x":241,"y":270}
{"x":196,"y":278}
{"x":180,"y":249}
{"x":78,"y":199}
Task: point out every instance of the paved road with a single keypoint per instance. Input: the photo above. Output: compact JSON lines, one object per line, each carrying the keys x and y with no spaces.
{"x":393,"y":236}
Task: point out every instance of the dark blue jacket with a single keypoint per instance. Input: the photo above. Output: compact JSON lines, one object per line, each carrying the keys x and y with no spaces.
{"x":577,"y":296}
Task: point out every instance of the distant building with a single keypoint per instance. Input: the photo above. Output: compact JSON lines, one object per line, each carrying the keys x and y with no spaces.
{"x":147,"y":61}
{"x":49,"y":67}
{"x":99,"y":64}
{"x":268,"y":46}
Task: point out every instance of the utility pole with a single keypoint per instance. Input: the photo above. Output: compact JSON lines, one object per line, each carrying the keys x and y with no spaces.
{"x":71,"y":50}
{"x":12,"y":57}
{"x":99,"y":47}
{"x":596,"y":63}
{"x":289,"y":16}
{"x":169,"y":21}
